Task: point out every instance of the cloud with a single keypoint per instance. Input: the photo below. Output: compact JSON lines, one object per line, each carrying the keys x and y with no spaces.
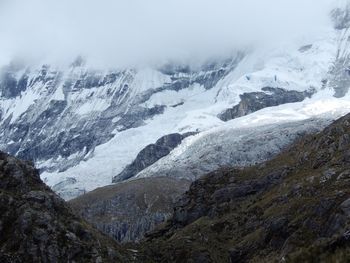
{"x":119,"y":32}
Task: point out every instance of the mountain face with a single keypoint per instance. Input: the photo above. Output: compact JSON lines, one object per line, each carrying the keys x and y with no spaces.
{"x":293,"y":208}
{"x":37,"y":226}
{"x":58,"y":117}
{"x":86,"y":128}
{"x":340,"y":69}
{"x":128,"y":210}
{"x":61,"y":104}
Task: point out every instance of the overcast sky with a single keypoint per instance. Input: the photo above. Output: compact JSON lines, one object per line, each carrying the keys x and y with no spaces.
{"x":116,"y":32}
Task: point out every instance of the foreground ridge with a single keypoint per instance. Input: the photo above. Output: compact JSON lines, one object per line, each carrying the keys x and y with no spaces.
{"x":37,"y":226}
{"x":294,"y":208}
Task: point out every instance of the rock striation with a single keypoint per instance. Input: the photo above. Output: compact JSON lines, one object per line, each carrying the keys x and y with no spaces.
{"x":127,"y":210}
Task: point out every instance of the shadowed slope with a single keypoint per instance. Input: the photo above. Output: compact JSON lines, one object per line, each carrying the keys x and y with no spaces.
{"x":37,"y":226}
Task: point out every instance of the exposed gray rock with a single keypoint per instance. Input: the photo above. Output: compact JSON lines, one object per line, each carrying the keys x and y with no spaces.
{"x":345,"y":206}
{"x":150,"y":154}
{"x":339,"y":76}
{"x":254,"y":101}
{"x":305,"y":48}
{"x":341,"y":17}
{"x":10,"y":86}
{"x":127,"y":210}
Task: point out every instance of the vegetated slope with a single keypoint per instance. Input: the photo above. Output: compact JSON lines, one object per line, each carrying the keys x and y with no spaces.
{"x":127,"y":210}
{"x":294,"y":208}
{"x":37,"y":226}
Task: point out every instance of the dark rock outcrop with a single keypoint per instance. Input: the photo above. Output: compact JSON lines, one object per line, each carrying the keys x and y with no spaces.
{"x":294,"y":208}
{"x":37,"y":226}
{"x":305,"y":48}
{"x":341,"y":16}
{"x":339,"y":76}
{"x":150,"y":154}
{"x":254,"y":101}
{"x":126,"y":211}
{"x":10,"y":86}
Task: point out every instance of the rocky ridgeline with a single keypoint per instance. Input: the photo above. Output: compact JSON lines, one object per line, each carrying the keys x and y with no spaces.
{"x":38,"y":226}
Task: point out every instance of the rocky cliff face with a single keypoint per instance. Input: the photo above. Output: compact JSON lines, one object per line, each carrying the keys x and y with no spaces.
{"x":128,"y":210}
{"x":268,"y":97}
{"x":340,"y":71}
{"x":294,"y":208}
{"x":150,"y":154}
{"x":37,"y":226}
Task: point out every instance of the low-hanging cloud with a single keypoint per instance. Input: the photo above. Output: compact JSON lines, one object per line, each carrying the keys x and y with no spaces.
{"x":118,"y":32}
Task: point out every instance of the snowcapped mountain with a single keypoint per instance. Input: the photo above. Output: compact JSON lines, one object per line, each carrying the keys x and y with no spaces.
{"x":61,"y":118}
{"x":83,"y":126}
